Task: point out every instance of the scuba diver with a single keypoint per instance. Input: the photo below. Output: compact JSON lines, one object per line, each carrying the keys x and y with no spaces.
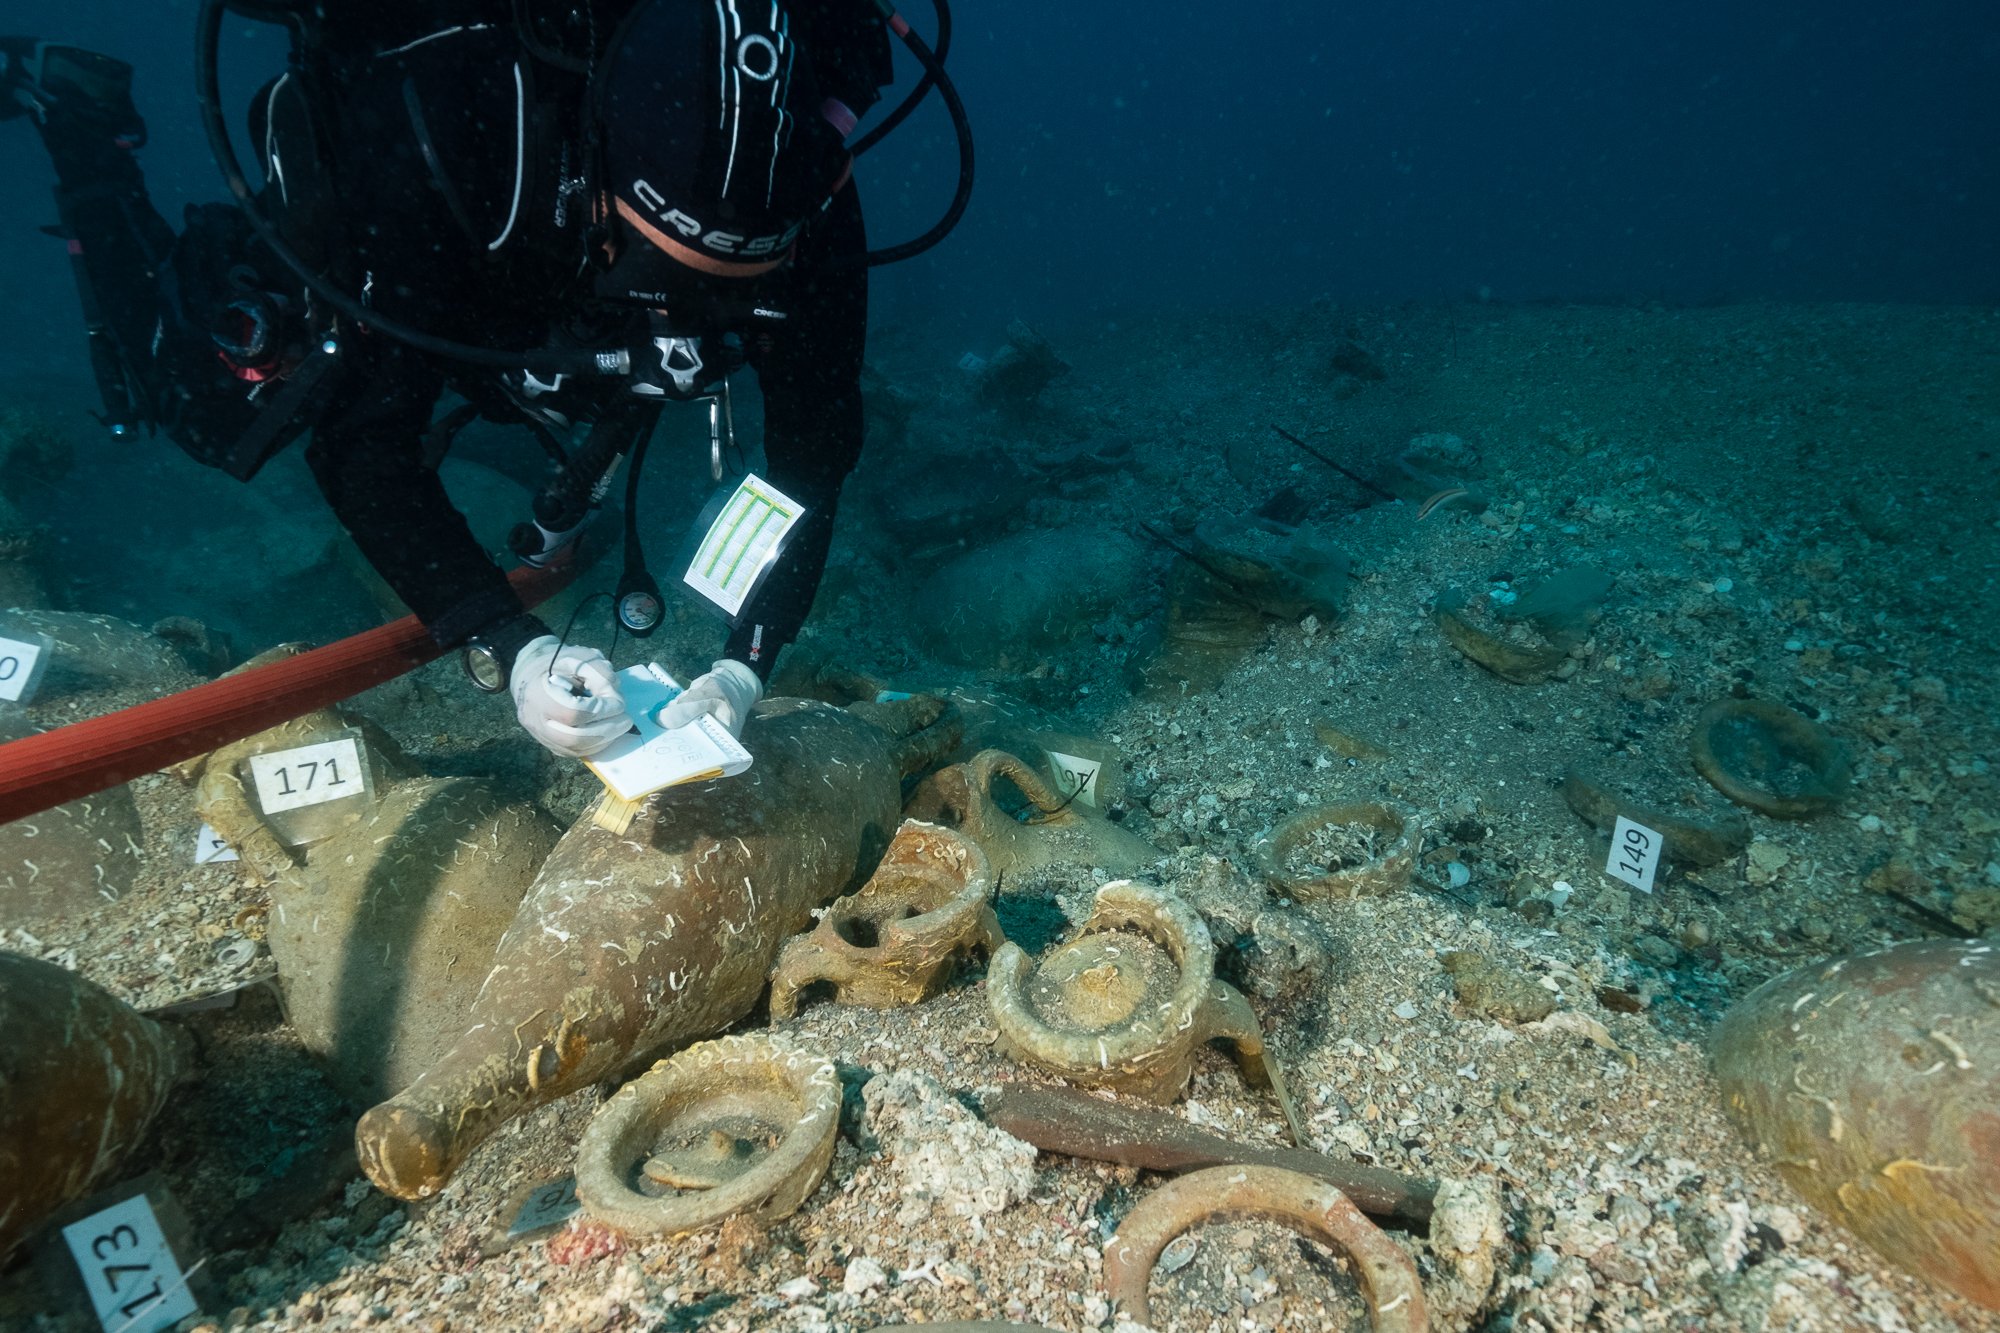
{"x":566,"y":212}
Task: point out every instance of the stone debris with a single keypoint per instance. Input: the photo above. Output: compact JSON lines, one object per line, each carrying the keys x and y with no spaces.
{"x":945,"y":1157}
{"x":1494,"y":990}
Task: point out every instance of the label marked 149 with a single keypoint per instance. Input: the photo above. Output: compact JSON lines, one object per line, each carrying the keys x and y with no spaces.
{"x":1635,"y":854}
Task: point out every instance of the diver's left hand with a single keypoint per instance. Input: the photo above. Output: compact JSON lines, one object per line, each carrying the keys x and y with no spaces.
{"x":726,"y":692}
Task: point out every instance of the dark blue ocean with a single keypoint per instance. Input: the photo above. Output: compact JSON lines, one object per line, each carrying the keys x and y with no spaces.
{"x":1178,"y":156}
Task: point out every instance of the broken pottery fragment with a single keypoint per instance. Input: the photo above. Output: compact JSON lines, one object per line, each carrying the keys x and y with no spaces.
{"x":1435,"y":471}
{"x":1050,"y":831}
{"x":1688,"y":837}
{"x":1519,"y":653}
{"x":1071,"y":763}
{"x":1262,"y":949}
{"x":1284,"y":571}
{"x":1343,"y":851}
{"x":893,"y":941}
{"x":1079,"y":1124}
{"x":1769,"y":757}
{"x":735,"y":1125}
{"x":1872,"y":1082}
{"x":1388,"y":1278}
{"x":1496,"y":990}
{"x":64,"y":864}
{"x":82,"y":1075}
{"x":1562,"y":605}
{"x":1128,"y":1001}
{"x":629,"y":944}
{"x":1346,"y":744}
{"x":967,"y":1326}
{"x":991,"y":720}
{"x":1015,"y":376}
{"x":1232,"y":576}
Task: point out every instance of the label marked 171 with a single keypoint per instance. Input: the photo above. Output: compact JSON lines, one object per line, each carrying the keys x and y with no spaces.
{"x":1635,"y":854}
{"x":134,"y":1281}
{"x":307,"y":775}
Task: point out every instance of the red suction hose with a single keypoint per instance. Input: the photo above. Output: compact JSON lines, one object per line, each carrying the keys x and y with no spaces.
{"x":44,"y":770}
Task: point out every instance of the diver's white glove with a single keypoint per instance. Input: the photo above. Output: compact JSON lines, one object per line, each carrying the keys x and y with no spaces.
{"x":569,"y":701}
{"x":727,"y":693}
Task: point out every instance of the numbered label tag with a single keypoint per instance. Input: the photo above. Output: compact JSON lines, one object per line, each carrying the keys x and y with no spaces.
{"x":308,"y":775}
{"x":1635,"y":854}
{"x":133,"y":1278}
{"x":210,"y":849}
{"x":22,"y":662}
{"x":546,"y":1206}
{"x":1074,"y":776}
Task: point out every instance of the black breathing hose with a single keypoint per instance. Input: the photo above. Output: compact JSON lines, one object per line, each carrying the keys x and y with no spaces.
{"x":544,"y":363}
{"x":961,"y":125}
{"x":924,"y":85}
{"x":547,"y":363}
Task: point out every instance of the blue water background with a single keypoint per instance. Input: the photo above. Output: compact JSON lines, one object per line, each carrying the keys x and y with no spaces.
{"x":1139,"y":157}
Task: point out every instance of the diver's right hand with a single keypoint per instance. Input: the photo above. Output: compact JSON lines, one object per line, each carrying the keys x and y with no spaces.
{"x":568,"y":700}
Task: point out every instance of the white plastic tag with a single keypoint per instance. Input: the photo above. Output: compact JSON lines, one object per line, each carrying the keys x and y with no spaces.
{"x":134,"y":1280}
{"x":742,"y":543}
{"x":210,"y":849}
{"x":307,"y":775}
{"x":546,"y":1206}
{"x":1074,"y":776}
{"x":972,"y":363}
{"x":650,"y":757}
{"x":1635,"y":854}
{"x":22,"y":662}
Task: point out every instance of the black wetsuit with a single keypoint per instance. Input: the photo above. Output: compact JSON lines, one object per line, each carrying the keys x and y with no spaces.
{"x":365,"y":201}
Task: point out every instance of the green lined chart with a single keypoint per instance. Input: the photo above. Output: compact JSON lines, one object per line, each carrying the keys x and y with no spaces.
{"x":742,"y":542}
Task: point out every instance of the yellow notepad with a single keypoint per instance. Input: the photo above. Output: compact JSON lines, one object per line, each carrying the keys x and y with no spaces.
{"x":650,"y":758}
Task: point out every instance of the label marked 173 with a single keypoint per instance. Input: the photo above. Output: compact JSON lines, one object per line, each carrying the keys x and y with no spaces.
{"x":134,"y":1281}
{"x":1075,"y":776}
{"x":307,"y":775}
{"x":1635,"y":854}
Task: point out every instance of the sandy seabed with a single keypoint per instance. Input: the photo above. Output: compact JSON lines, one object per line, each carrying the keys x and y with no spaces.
{"x":1796,"y":502}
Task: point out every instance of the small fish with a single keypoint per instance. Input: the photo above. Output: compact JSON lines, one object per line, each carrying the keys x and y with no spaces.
{"x":1444,"y":496}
